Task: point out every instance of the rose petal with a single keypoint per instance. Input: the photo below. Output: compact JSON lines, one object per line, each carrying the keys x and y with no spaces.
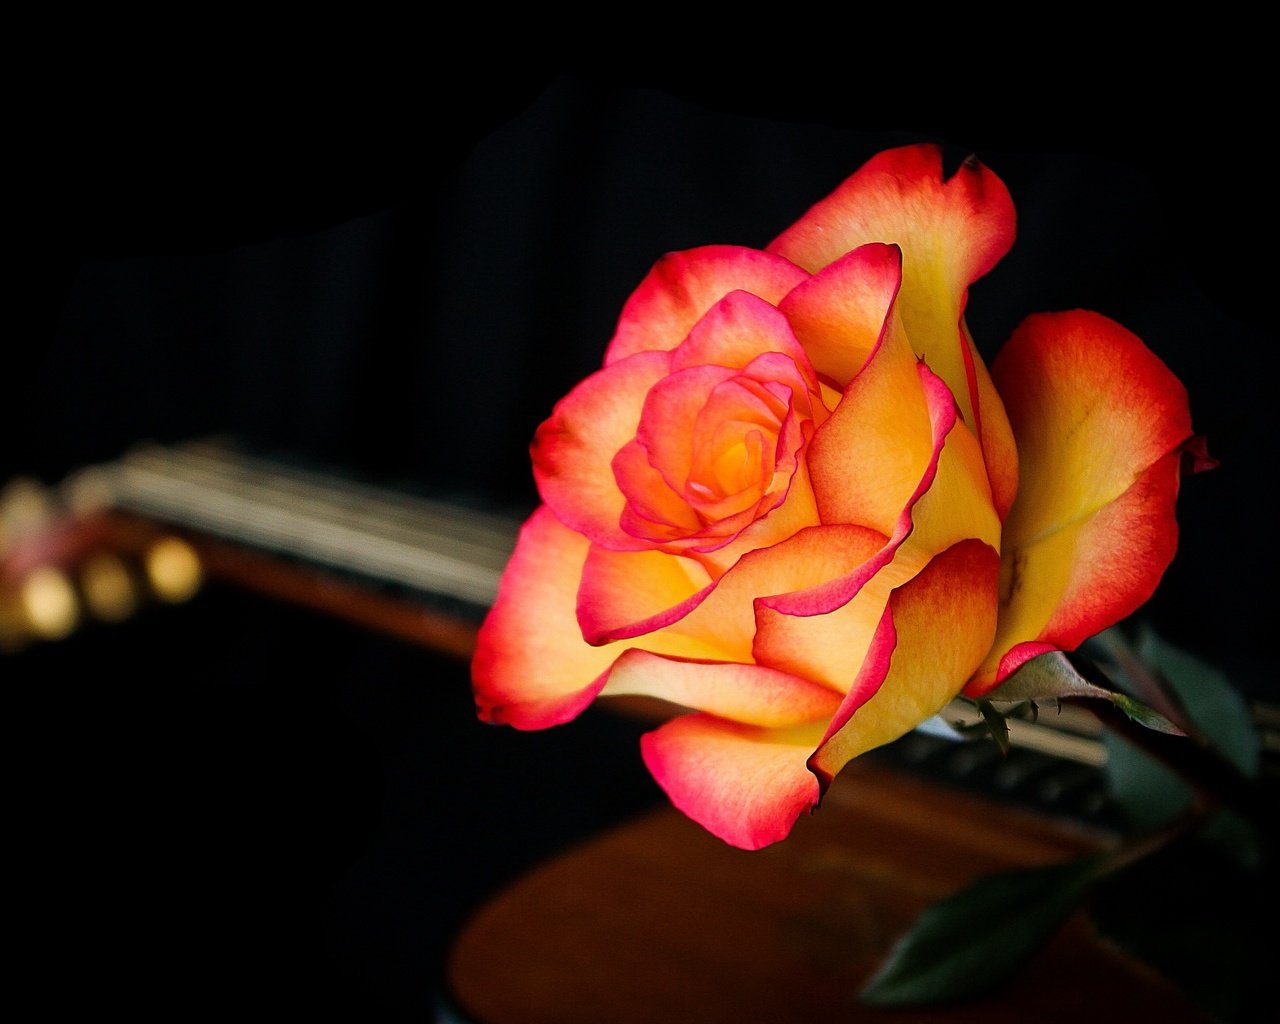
{"x":531,"y":668}
{"x":991,"y":424}
{"x":743,"y":783}
{"x":951,"y":232}
{"x":573,"y":450}
{"x":1083,"y":577}
{"x":830,"y":646}
{"x":750,"y":694}
{"x":840,"y":313}
{"x":738,"y":328}
{"x":1101,"y":423}
{"x":682,"y":286}
{"x":727,"y":615}
{"x":935,"y":630}
{"x":867,"y":459}
{"x":631,"y":593}
{"x":625,"y":594}
{"x":824,"y":633}
{"x":838,"y":589}
{"x":899,"y":196}
{"x":654,"y":512}
{"x":958,"y":503}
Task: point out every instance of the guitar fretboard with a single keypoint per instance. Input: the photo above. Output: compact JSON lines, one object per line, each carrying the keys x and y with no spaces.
{"x":332,"y":522}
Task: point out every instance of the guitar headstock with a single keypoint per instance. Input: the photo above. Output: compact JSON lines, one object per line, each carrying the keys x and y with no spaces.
{"x":67,"y":557}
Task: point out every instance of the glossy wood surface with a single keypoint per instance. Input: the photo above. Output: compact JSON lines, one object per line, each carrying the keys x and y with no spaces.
{"x":659,"y":921}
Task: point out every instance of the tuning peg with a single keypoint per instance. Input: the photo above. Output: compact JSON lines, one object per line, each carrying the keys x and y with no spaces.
{"x":173,"y":569}
{"x":109,"y":589}
{"x":48,"y":604}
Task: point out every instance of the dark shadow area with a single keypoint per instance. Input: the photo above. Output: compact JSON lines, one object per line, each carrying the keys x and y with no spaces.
{"x":236,"y":803}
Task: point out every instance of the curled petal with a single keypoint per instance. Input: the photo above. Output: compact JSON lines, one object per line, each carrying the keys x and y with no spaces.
{"x":750,"y":694}
{"x":682,"y":286}
{"x":841,"y":587}
{"x":900,"y":196}
{"x":802,"y":563}
{"x":1101,"y":425}
{"x":867,"y":459}
{"x":743,"y":783}
{"x":654,"y":511}
{"x":840,"y":313}
{"x":625,"y":594}
{"x":831,"y":646}
{"x":951,"y":232}
{"x":958,"y":503}
{"x":573,"y":450}
{"x":532,"y":668}
{"x":991,"y":425}
{"x":630,"y":593}
{"x":737,"y":329}
{"x":935,"y":630}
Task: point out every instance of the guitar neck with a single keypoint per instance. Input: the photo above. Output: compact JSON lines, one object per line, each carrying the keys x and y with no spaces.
{"x":405,"y":565}
{"x":416,"y":568}
{"x":429,"y":547}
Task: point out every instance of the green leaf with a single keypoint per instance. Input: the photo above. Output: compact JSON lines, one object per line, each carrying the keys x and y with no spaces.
{"x":1149,"y":794}
{"x":971,"y":941}
{"x":1134,"y":676}
{"x":1056,"y":675}
{"x":1216,"y":708}
{"x":996,"y":724}
{"x":1144,"y":715}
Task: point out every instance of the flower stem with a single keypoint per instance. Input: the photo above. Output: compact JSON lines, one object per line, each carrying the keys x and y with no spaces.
{"x":1215,"y":781}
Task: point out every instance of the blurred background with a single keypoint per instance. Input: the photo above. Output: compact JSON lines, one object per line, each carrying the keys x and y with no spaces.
{"x":239,"y":799}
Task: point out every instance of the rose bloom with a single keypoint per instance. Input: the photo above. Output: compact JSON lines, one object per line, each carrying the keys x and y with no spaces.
{"x":796,"y":504}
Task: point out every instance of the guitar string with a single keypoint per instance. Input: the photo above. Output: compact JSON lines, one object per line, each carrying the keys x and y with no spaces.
{"x":251,"y":504}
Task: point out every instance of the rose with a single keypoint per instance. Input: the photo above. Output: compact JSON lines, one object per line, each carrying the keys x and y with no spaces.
{"x":795,"y":503}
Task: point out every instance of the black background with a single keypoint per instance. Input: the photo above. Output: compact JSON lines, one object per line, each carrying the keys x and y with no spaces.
{"x":237,"y":805}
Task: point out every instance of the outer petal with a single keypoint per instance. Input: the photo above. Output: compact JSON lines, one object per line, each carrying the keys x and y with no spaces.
{"x":993,"y":431}
{"x":532,"y":669}
{"x":951,"y":233}
{"x":749,"y":694}
{"x":631,"y":593}
{"x":832,"y":646}
{"x":935,"y":630}
{"x":867,"y":459}
{"x":1101,"y":424}
{"x":801,"y":563}
{"x":825,"y":633}
{"x":573,"y":449}
{"x":899,"y":195}
{"x":743,"y":783}
{"x":841,"y":586}
{"x":840,"y":313}
{"x":682,"y":286}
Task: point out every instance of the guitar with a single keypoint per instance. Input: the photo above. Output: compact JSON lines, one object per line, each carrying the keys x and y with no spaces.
{"x":153,"y":524}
